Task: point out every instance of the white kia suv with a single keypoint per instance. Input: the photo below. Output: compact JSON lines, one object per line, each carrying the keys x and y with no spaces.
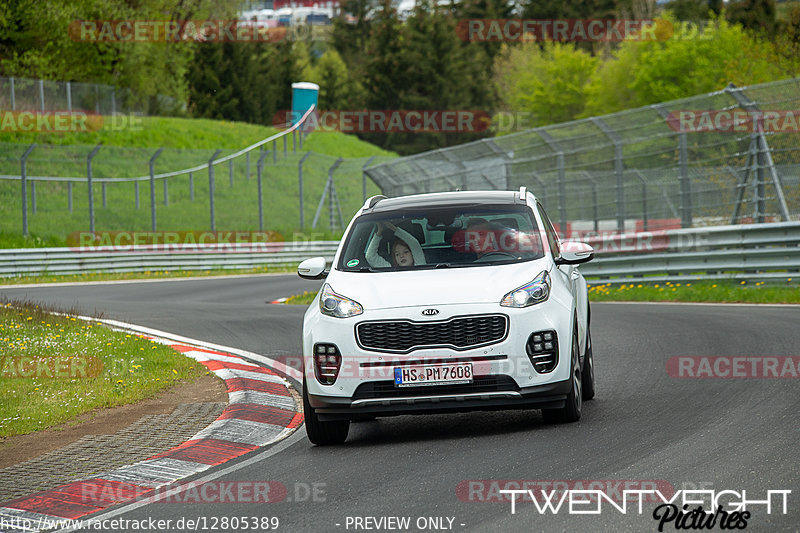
{"x":446,"y":302}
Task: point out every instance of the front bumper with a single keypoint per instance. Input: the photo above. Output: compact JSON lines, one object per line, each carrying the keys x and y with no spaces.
{"x":548,"y":396}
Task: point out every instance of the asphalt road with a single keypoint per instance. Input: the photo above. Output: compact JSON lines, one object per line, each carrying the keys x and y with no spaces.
{"x":717,"y":434}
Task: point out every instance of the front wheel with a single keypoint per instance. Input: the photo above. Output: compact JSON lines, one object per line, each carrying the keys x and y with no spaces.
{"x":588,"y":369}
{"x":322,"y":433}
{"x":571,"y":412}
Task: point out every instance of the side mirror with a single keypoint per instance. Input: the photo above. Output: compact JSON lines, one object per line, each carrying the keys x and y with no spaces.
{"x":313,"y":268}
{"x":575,"y":252}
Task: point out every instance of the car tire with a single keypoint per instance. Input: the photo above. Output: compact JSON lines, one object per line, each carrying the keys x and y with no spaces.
{"x":571,"y":412}
{"x":588,"y":369}
{"x":322,"y":433}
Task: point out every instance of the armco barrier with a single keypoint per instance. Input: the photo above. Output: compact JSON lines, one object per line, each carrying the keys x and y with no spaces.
{"x":38,"y":261}
{"x":753,"y":252}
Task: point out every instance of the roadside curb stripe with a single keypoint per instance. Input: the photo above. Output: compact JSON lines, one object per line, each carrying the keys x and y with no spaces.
{"x":261,"y":410}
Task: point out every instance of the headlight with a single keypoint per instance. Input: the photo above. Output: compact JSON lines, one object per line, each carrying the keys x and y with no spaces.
{"x":333,"y":304}
{"x":531,"y":293}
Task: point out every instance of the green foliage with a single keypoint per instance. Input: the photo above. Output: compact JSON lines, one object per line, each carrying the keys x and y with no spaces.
{"x":753,"y":14}
{"x":646,"y":72}
{"x":36,"y":43}
{"x":248,"y":82}
{"x":337,"y":90}
{"x":547,"y":81}
{"x":423,"y":65}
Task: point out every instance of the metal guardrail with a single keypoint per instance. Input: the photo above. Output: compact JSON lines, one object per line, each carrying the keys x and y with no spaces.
{"x":757,"y":252}
{"x":752,"y":252}
{"x":64,"y":261}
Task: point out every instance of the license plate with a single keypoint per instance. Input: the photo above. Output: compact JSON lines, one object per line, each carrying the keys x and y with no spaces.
{"x":420,"y":375}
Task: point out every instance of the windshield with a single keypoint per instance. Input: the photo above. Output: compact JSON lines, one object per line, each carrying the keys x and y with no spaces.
{"x":452,"y":236}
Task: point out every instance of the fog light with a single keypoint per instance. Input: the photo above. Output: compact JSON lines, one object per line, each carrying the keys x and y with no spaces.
{"x":327,"y":363}
{"x":542,"y":349}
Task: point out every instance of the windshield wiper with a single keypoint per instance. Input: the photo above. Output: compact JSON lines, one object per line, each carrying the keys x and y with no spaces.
{"x":367,"y":269}
{"x":442,"y":265}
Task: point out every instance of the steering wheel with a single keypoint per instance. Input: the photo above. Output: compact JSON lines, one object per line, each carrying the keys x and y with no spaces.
{"x":506,"y":254}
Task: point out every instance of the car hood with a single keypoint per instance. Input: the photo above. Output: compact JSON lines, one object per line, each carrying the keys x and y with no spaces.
{"x":441,"y":286}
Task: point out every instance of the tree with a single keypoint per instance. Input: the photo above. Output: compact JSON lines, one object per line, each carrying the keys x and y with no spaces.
{"x":337,"y":90}
{"x":756,"y":15}
{"x":35,"y":43}
{"x":546,"y":81}
{"x":646,"y":72}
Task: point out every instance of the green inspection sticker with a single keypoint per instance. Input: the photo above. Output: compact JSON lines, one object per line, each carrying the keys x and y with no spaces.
{"x":352,"y":262}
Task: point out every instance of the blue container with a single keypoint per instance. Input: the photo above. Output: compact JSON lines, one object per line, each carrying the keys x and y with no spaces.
{"x":304,"y":95}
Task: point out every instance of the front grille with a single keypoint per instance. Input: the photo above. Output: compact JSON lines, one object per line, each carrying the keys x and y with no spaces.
{"x":458,"y":333}
{"x":387,"y":389}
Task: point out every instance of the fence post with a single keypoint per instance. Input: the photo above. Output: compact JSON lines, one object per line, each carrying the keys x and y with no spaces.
{"x":364,"y":178}
{"x":686,"y":185}
{"x":103,"y":187}
{"x":89,"y":181}
{"x":683,"y":163}
{"x":285,"y":152}
{"x":41,"y":94}
{"x":69,"y":97}
{"x":332,"y":200}
{"x":619,"y":170}
{"x":69,"y":196}
{"x":543,"y":196}
{"x":191,"y":187}
{"x":230,"y":171}
{"x":275,"y":151}
{"x":562,"y":185}
{"x":113,"y":101}
{"x":247,"y":166}
{"x":211,"y":188}
{"x":644,"y":198}
{"x":13,"y":99}
{"x":136,"y":193}
{"x":259,"y":170}
{"x":294,"y":141}
{"x":153,"y":189}
{"x":760,"y":202}
{"x":300,"y":186}
{"x":24,"y":178}
{"x":33,"y":196}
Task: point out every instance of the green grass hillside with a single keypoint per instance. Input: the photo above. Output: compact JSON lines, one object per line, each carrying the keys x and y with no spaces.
{"x":188,"y":142}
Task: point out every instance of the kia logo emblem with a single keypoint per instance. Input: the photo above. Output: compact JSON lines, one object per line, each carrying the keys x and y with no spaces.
{"x":430,"y":312}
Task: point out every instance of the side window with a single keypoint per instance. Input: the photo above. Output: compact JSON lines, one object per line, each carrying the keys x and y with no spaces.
{"x":552,"y":238}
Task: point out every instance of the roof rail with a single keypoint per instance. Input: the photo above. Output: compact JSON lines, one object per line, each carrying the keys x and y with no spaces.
{"x":523,"y":194}
{"x":372,"y":200}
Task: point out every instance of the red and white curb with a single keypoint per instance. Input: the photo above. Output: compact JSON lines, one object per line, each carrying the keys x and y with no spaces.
{"x":261,"y":411}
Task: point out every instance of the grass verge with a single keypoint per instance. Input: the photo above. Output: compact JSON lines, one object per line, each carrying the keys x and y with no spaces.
{"x":721,"y":292}
{"x":54,"y":368}
{"x":184,"y":204}
{"x":148,"y":274}
{"x":301,"y":299}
